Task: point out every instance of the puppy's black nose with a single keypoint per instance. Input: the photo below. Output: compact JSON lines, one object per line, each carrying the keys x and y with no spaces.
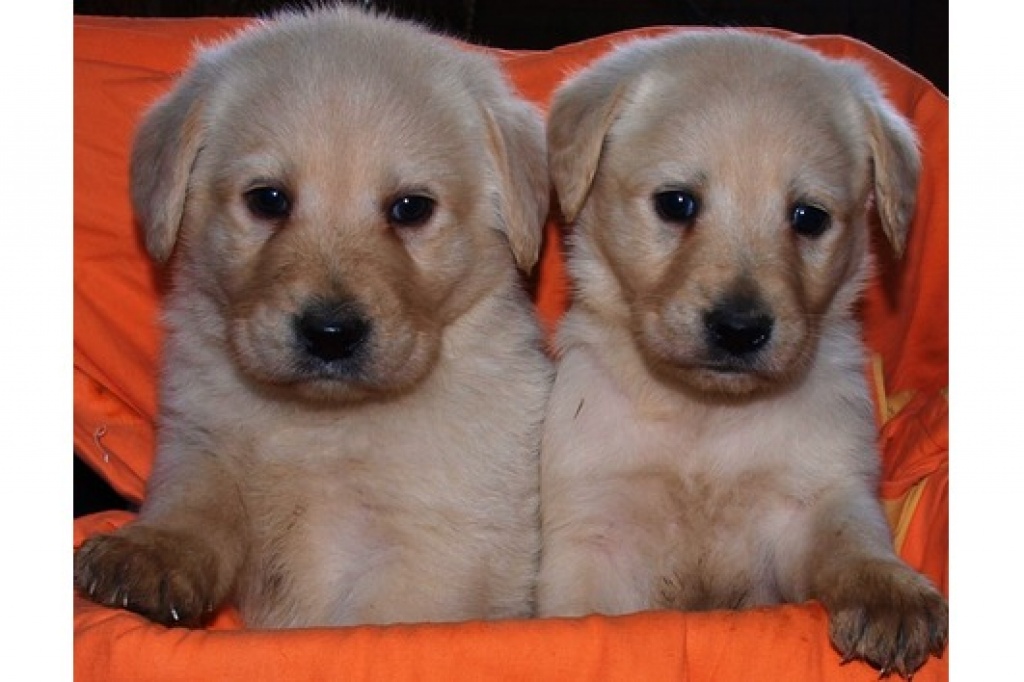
{"x":739,"y":326}
{"x":332,"y":332}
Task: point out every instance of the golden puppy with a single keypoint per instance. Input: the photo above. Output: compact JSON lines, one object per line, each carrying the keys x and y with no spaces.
{"x":710,"y":440}
{"x":354,"y":381}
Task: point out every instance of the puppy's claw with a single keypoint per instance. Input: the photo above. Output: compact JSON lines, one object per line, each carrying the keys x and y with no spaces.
{"x":133,"y":569}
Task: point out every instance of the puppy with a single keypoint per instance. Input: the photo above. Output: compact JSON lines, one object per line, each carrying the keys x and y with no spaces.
{"x":710,"y":440}
{"x":353,"y":382}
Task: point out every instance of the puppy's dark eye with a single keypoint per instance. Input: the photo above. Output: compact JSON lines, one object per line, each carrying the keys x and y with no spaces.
{"x":809,"y":221}
{"x":268,"y":203}
{"x":676,"y":206}
{"x":410,"y":210}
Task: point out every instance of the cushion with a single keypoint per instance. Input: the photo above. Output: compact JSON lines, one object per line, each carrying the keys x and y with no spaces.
{"x":121,"y":65}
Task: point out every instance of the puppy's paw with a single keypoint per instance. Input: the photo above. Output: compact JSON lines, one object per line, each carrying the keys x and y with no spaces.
{"x":168,"y":577}
{"x":888,"y":615}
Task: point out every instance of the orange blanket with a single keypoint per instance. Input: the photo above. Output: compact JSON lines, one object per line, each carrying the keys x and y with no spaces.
{"x":121,"y":65}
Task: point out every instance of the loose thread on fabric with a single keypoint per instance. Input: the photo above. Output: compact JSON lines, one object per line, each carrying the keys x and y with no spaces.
{"x":97,"y":438}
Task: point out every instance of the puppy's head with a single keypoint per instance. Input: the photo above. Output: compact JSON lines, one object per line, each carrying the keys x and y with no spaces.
{"x":720,"y":186}
{"x":337,"y":188}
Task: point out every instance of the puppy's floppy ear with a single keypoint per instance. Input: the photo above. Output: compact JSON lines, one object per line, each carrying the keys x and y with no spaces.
{"x":516,"y":136}
{"x":582,"y":111}
{"x":896,"y":159}
{"x":166,"y":144}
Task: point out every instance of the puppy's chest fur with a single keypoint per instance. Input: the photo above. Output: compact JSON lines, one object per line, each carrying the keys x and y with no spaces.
{"x":357,"y":507}
{"x":705,"y":495}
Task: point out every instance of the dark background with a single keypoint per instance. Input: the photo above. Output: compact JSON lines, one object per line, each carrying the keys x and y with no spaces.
{"x":913,"y":32}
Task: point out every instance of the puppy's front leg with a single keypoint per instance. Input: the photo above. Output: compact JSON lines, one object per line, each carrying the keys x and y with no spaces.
{"x":880,"y":610}
{"x":180,"y":559}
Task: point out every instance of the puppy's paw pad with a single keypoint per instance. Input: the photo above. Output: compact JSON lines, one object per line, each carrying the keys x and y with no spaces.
{"x":162,"y":575}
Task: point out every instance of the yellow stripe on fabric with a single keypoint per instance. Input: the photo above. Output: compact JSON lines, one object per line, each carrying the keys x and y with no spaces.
{"x":900,"y":512}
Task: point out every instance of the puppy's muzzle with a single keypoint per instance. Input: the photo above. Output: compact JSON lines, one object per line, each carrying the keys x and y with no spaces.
{"x":738,"y":326}
{"x":333,"y":332}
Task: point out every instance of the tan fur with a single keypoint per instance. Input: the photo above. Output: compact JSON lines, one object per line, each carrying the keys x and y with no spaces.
{"x":679,"y":475}
{"x":399,"y":481}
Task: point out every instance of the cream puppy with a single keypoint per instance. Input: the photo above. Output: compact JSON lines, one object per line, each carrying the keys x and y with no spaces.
{"x":710,"y":440}
{"x":353,"y":381}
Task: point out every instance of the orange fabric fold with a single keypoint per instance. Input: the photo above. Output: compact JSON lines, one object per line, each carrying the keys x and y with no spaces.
{"x":915,"y":468}
{"x":664,"y":646}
